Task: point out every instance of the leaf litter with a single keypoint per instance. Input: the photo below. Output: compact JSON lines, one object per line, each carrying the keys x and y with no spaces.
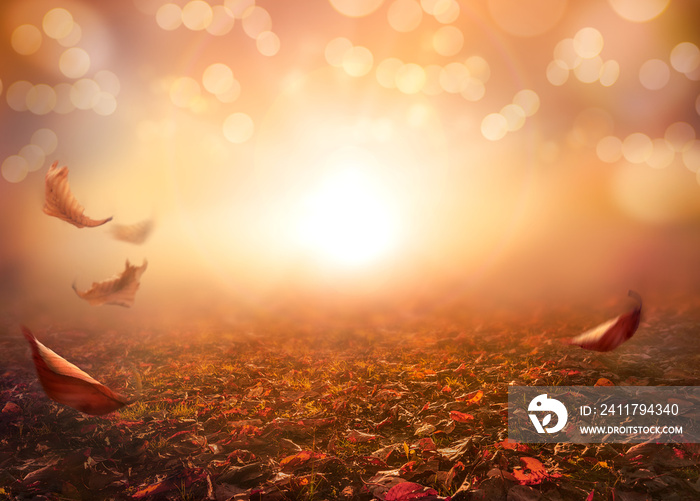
{"x":343,"y":413}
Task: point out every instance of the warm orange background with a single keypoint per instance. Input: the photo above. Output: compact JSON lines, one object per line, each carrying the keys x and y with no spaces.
{"x":544,"y":215}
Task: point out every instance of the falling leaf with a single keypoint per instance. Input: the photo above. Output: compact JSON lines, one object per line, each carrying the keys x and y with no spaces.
{"x":611,"y":334}
{"x":60,"y":202}
{"x":119,"y":290}
{"x":67,"y":384}
{"x":136,"y":233}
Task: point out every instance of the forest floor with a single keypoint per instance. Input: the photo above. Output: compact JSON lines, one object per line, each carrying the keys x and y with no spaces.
{"x":396,"y":413}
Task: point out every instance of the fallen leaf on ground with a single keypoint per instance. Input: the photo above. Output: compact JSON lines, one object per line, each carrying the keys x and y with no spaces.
{"x":604,"y":382}
{"x":59,"y":201}
{"x":461,"y":417}
{"x":119,"y":290}
{"x":67,"y":384}
{"x":611,"y":334}
{"x":408,"y":491}
{"x":532,"y":472}
{"x":136,"y":233}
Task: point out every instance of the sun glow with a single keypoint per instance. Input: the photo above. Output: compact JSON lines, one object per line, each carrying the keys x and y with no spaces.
{"x":347,"y":217}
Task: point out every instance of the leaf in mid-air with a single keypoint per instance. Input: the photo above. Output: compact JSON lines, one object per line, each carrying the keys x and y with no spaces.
{"x":120,"y":289}
{"x":67,"y":384}
{"x":136,"y":233}
{"x":59,"y":201}
{"x":611,"y":334}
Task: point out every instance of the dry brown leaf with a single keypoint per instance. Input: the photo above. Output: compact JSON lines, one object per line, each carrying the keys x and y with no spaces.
{"x":611,"y":334}
{"x":67,"y":384}
{"x":120,"y":289}
{"x":60,"y":202}
{"x":136,"y":233}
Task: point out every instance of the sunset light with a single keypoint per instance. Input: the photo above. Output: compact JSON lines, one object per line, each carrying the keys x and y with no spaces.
{"x":347,"y":217}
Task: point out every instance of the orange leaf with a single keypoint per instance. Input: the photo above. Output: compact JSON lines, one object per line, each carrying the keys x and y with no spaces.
{"x":604,"y":382}
{"x":67,"y":384}
{"x":532,"y":472}
{"x":471,"y":398}
{"x":295,"y":460}
{"x":120,"y":289}
{"x":611,"y":334}
{"x":59,"y":201}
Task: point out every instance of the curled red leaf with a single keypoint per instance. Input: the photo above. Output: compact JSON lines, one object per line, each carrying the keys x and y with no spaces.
{"x":120,"y":289}
{"x":67,"y":384}
{"x":59,"y":201}
{"x":611,"y":334}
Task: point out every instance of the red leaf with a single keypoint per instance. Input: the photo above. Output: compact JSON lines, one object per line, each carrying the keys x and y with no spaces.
{"x":408,"y":491}
{"x":60,"y":202}
{"x":67,"y":384}
{"x":460,"y":417}
{"x":355,"y":437}
{"x":532,"y":472}
{"x":611,"y":334}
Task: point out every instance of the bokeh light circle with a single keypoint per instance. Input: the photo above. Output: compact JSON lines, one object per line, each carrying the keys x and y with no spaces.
{"x":637,"y":148}
{"x":197,"y":15}
{"x":74,"y":62}
{"x":685,"y":57}
{"x":268,"y":43}
{"x":404,"y":15}
{"x":16,"y":95}
{"x":46,"y":139}
{"x":662,"y":156}
{"x":588,"y":42}
{"x":638,"y":11}
{"x":169,"y":16}
{"x":14,"y":169}
{"x":41,"y":99}
{"x":609,"y":149}
{"x":494,"y":126}
{"x":679,"y":135}
{"x":217,"y":78}
{"x":238,"y":128}
{"x":448,"y":40}
{"x":654,"y":74}
{"x":356,"y":8}
{"x":57,"y":23}
{"x":528,"y":100}
{"x":26,"y":39}
{"x":410,"y":78}
{"x":336,"y":49}
{"x":357,"y":61}
{"x":33,"y":155}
